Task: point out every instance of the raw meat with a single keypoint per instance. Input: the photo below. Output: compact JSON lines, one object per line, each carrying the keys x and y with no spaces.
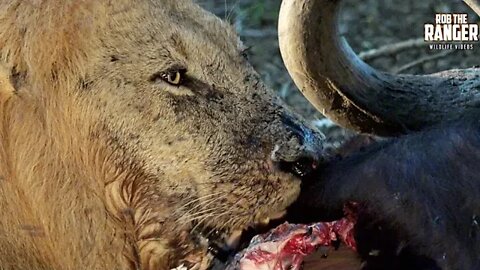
{"x":286,"y":246}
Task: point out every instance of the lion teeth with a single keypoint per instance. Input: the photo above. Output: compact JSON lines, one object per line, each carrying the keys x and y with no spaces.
{"x":195,"y":267}
{"x":234,"y":240}
{"x":181,"y":267}
{"x":278,"y":215}
{"x":264,"y":221}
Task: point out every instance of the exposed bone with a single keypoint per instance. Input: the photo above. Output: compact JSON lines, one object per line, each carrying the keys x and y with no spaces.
{"x":354,"y":94}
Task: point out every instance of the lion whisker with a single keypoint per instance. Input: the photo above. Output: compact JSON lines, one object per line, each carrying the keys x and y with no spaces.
{"x":204,"y":205}
{"x":200,"y":198}
{"x":200,"y":214}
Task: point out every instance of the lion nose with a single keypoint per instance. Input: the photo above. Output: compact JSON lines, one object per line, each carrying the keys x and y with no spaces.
{"x":298,"y":130}
{"x":301,"y":153}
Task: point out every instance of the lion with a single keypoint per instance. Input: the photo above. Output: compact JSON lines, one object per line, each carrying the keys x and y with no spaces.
{"x":135,"y":135}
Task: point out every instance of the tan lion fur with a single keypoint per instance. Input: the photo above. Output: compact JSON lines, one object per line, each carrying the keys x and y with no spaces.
{"x":102,"y":167}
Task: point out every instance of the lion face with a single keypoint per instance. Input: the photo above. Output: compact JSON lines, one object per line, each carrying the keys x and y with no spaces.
{"x":199,"y":140}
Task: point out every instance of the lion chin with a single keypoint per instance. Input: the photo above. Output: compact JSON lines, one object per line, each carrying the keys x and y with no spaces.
{"x":207,"y":247}
{"x":218,"y":229}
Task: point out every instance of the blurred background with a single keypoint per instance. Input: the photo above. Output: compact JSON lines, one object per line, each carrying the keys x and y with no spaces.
{"x":368,"y":24}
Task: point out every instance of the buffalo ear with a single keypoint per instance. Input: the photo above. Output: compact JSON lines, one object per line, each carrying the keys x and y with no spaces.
{"x":7,"y":89}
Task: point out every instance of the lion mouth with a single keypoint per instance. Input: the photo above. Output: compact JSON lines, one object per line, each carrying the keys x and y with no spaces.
{"x":301,"y":168}
{"x":222,"y":245}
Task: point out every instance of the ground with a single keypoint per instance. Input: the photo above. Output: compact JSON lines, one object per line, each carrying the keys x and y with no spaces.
{"x":368,"y":25}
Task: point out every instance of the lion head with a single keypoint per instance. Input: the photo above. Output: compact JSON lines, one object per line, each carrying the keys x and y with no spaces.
{"x":136,"y":135}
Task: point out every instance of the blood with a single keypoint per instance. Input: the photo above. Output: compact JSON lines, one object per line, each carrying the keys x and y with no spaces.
{"x":286,"y":246}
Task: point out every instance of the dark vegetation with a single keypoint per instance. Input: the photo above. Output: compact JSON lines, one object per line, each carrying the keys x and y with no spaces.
{"x":367,"y":25}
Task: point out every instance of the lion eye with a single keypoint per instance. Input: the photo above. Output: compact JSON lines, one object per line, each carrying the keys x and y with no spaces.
{"x":174,"y":77}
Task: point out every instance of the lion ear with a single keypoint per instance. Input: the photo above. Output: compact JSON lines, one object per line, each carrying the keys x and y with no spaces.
{"x":7,"y":89}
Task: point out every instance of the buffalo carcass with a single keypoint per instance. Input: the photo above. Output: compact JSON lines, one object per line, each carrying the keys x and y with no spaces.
{"x":419,"y":190}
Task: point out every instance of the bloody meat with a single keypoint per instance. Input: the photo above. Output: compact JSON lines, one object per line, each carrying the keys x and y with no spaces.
{"x":286,"y":246}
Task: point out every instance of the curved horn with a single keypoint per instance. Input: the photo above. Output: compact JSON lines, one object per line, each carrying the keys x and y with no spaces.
{"x":355,"y":95}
